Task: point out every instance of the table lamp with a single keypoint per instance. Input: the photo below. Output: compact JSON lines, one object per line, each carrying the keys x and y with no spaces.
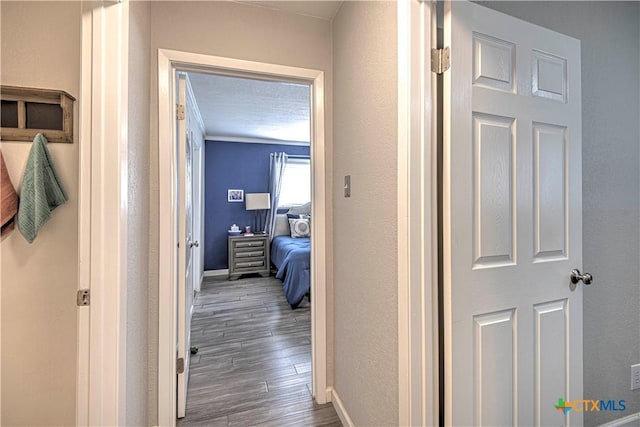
{"x":258,"y":202}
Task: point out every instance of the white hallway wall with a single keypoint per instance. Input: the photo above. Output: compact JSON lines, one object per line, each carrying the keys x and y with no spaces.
{"x":41,"y":48}
{"x":365,"y":230}
{"x":610,"y":35}
{"x":240,"y":31}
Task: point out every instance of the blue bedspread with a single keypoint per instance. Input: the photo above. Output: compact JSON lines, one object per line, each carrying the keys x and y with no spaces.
{"x":292,"y":258}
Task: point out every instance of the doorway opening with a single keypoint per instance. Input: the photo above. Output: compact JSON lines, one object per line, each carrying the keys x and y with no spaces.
{"x":170,"y":63}
{"x":246,"y":337}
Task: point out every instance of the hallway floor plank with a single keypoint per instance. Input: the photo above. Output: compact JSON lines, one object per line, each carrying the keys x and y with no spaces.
{"x":253,"y":366}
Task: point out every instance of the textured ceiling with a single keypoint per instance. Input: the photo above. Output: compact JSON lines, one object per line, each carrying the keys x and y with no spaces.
{"x":233,"y":107}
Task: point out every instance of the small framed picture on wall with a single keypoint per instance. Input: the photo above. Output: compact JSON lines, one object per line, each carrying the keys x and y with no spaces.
{"x":235,"y":195}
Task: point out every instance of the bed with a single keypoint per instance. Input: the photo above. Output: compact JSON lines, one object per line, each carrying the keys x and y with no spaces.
{"x":291,"y":256}
{"x":292,"y":259}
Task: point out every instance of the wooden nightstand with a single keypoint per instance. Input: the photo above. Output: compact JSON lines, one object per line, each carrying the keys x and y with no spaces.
{"x":249,"y":254}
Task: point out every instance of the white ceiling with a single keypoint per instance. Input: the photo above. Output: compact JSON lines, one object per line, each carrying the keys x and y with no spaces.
{"x":233,"y":107}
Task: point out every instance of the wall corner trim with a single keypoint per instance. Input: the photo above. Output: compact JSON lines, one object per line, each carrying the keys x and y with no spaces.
{"x":340,"y":409}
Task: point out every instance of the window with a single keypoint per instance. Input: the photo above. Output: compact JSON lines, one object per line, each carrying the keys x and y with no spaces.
{"x":296,"y":183}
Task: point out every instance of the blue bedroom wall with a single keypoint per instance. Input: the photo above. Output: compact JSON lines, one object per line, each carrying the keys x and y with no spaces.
{"x":233,"y":165}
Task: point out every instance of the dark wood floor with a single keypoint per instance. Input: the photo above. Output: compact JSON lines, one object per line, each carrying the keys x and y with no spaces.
{"x":253,"y":366}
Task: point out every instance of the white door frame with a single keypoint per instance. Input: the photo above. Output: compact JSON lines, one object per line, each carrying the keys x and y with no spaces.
{"x":168,"y":61}
{"x":103,"y":174}
{"x":417,"y":217}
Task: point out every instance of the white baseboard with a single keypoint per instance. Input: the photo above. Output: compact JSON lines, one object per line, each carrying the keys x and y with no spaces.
{"x":213,"y":273}
{"x":632,"y":420}
{"x":340,"y":409}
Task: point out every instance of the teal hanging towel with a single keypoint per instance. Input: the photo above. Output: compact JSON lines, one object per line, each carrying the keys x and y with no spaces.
{"x":41,"y":191}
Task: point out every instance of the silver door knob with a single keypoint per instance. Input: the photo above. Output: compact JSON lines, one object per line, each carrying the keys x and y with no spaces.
{"x":586,"y":278}
{"x":194,"y":244}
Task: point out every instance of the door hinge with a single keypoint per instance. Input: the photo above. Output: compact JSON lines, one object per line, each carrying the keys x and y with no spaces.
{"x":84,"y":297}
{"x":440,"y":60}
{"x":180,"y":365}
{"x":179,"y":112}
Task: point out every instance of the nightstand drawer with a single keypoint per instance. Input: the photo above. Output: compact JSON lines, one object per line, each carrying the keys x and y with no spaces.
{"x":249,"y":254}
{"x":249,"y":244}
{"x":249,"y":264}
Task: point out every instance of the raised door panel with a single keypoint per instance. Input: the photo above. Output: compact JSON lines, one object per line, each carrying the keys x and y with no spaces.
{"x":551,"y":335}
{"x":549,"y":76}
{"x":495,"y":359}
{"x":550,"y":192}
{"x":493,"y":62}
{"x":494,"y":190}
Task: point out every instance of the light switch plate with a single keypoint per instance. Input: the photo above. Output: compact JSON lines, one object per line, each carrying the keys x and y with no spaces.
{"x":347,"y":186}
{"x":635,"y":376}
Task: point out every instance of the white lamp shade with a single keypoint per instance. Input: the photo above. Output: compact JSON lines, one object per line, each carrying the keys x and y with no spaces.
{"x":256,"y":201}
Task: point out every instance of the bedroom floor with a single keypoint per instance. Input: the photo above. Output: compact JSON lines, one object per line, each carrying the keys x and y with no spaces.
{"x":253,"y":366}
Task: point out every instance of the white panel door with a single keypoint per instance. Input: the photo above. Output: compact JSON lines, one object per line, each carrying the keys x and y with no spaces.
{"x":512,"y":221}
{"x":185,"y":280}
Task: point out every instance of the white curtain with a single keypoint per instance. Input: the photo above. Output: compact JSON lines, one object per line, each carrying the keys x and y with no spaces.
{"x":277,"y":164}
